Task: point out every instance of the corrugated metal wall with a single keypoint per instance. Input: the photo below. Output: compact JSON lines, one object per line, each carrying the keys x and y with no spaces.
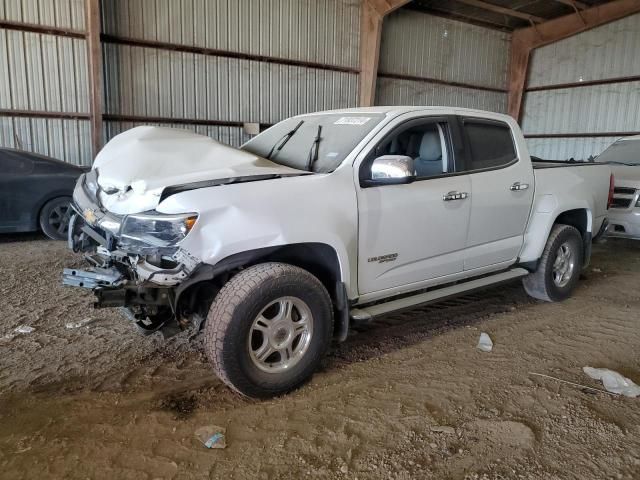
{"x":607,"y":61}
{"x":242,"y":72}
{"x":44,"y":73}
{"x":422,"y":55}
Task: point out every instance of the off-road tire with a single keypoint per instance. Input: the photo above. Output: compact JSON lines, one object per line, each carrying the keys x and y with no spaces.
{"x":231,"y":315}
{"x":540,"y":284}
{"x":49,"y":212}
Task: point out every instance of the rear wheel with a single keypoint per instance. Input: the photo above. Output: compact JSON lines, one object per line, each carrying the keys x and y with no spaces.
{"x":559,"y":267}
{"x":54,"y":218}
{"x":268,"y":329}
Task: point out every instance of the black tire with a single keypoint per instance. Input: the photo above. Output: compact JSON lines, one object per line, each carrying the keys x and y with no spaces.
{"x":227,"y":331}
{"x":540,"y":284}
{"x":54,"y":218}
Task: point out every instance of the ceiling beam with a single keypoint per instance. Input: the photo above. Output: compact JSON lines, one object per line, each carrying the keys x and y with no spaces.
{"x":504,"y":11}
{"x":525,"y":40}
{"x":373,"y":12}
{"x":574,"y":3}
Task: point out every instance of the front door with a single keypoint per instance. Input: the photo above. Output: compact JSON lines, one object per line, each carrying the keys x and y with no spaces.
{"x":412,"y":233}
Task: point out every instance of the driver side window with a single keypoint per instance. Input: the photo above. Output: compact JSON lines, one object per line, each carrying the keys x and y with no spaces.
{"x":425,"y":143}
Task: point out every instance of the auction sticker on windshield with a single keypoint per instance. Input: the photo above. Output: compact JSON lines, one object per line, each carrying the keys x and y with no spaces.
{"x":352,"y":120}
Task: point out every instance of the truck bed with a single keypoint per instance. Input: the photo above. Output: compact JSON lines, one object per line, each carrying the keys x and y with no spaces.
{"x":540,"y":164}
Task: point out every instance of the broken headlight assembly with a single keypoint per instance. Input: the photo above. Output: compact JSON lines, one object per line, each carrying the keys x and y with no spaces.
{"x":155,"y":229}
{"x":91,"y":183}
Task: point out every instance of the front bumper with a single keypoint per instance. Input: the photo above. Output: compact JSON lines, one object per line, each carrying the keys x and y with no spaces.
{"x":624,"y":224}
{"x":144,"y":282}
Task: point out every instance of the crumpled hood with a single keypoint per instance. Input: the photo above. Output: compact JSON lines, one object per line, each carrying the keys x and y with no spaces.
{"x":626,"y":176}
{"x":135,"y":166}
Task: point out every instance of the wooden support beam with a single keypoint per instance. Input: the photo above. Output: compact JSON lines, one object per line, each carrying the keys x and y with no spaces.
{"x":574,"y":3}
{"x":373,"y":12}
{"x":94,"y":49}
{"x":525,"y":40}
{"x":504,"y":11}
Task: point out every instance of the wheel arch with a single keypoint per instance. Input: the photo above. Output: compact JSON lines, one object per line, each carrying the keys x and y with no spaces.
{"x":319,"y":259}
{"x":580,"y":218}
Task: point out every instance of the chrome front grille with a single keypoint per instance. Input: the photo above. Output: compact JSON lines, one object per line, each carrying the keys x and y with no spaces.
{"x":623,"y":197}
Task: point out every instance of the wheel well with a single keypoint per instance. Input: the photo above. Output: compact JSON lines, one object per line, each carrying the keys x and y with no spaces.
{"x":577,"y":218}
{"x":319,"y":259}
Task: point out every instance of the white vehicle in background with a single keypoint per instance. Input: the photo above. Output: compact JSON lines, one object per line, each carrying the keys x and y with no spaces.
{"x":624,"y":158}
{"x":323,"y":219}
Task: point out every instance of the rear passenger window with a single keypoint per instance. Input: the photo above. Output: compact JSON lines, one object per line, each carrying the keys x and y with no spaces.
{"x":491,"y":144}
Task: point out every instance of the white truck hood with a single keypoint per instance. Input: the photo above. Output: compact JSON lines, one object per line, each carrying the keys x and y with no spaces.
{"x":136,"y":166}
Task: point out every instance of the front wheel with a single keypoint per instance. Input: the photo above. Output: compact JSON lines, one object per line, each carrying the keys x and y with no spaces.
{"x":559,"y":267}
{"x":268,"y":329}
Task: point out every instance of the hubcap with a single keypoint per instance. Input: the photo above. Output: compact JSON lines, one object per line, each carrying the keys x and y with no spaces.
{"x":564,"y":265}
{"x":280,"y":335}
{"x":59,"y":218}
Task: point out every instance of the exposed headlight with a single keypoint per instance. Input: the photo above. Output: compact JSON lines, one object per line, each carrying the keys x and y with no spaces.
{"x":156,"y":229}
{"x":91,"y":183}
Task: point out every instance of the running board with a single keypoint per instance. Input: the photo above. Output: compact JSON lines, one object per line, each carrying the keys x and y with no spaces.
{"x":367,"y":313}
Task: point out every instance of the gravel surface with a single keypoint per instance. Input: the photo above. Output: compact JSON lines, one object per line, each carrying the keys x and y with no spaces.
{"x":407,"y":396}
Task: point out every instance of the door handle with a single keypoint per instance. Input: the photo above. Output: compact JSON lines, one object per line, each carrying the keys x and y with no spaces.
{"x":518,"y":186}
{"x":455,"y":196}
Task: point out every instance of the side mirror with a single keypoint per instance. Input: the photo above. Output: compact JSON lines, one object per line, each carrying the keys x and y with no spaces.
{"x":391,"y":170}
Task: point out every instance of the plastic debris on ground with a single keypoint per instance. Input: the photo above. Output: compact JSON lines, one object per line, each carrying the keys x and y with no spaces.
{"x":485,"y":343}
{"x":613,"y":382}
{"x":82,"y":323}
{"x":212,"y":436}
{"x":24,"y":329}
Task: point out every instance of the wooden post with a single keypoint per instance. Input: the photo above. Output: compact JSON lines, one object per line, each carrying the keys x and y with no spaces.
{"x":373,"y":12}
{"x":518,"y":70}
{"x":525,"y":40}
{"x":94,"y":50}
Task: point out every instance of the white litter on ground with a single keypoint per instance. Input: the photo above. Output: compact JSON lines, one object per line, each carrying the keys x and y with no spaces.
{"x":485,"y":343}
{"x":613,"y":382}
{"x":24,"y":329}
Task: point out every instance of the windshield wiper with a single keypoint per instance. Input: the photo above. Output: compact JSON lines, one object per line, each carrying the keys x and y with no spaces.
{"x":279,"y":145}
{"x":313,"y":153}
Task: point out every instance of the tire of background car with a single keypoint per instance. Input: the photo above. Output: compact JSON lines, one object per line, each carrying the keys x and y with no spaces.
{"x":268,"y":329}
{"x":559,"y":267}
{"x":54,"y":218}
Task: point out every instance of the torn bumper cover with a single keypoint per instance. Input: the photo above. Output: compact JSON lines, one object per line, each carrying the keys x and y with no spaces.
{"x":130,"y":267}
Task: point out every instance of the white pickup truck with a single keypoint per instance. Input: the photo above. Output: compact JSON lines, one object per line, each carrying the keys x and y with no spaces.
{"x":324,"y":219}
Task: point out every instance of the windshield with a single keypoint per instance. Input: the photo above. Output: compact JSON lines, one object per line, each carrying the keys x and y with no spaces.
{"x":623,"y":151}
{"x":339,"y":135}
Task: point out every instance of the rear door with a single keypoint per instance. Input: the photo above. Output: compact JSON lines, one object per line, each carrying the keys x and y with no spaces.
{"x":502,"y":185}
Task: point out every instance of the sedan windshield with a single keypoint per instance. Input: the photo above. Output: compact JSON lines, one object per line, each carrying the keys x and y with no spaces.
{"x":624,"y":151}
{"x":317,"y":143}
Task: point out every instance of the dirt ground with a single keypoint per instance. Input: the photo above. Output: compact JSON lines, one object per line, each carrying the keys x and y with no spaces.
{"x":408,"y":396}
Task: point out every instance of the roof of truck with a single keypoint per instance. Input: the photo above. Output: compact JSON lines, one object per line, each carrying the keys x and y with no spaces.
{"x":393,"y":110}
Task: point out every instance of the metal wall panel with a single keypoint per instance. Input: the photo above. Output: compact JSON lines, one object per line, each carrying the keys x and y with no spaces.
{"x":323,"y":31}
{"x":593,"y":109}
{"x":566,"y":148}
{"x":408,"y":92}
{"x":55,"y":13}
{"x":609,"y":51}
{"x":153,"y":82}
{"x":427,"y":46}
{"x":234,"y":136}
{"x":43,"y":72}
{"x":604,"y":53}
{"x":63,"y":139}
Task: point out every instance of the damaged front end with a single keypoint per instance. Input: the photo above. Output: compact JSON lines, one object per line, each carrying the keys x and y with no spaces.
{"x":136,"y":261}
